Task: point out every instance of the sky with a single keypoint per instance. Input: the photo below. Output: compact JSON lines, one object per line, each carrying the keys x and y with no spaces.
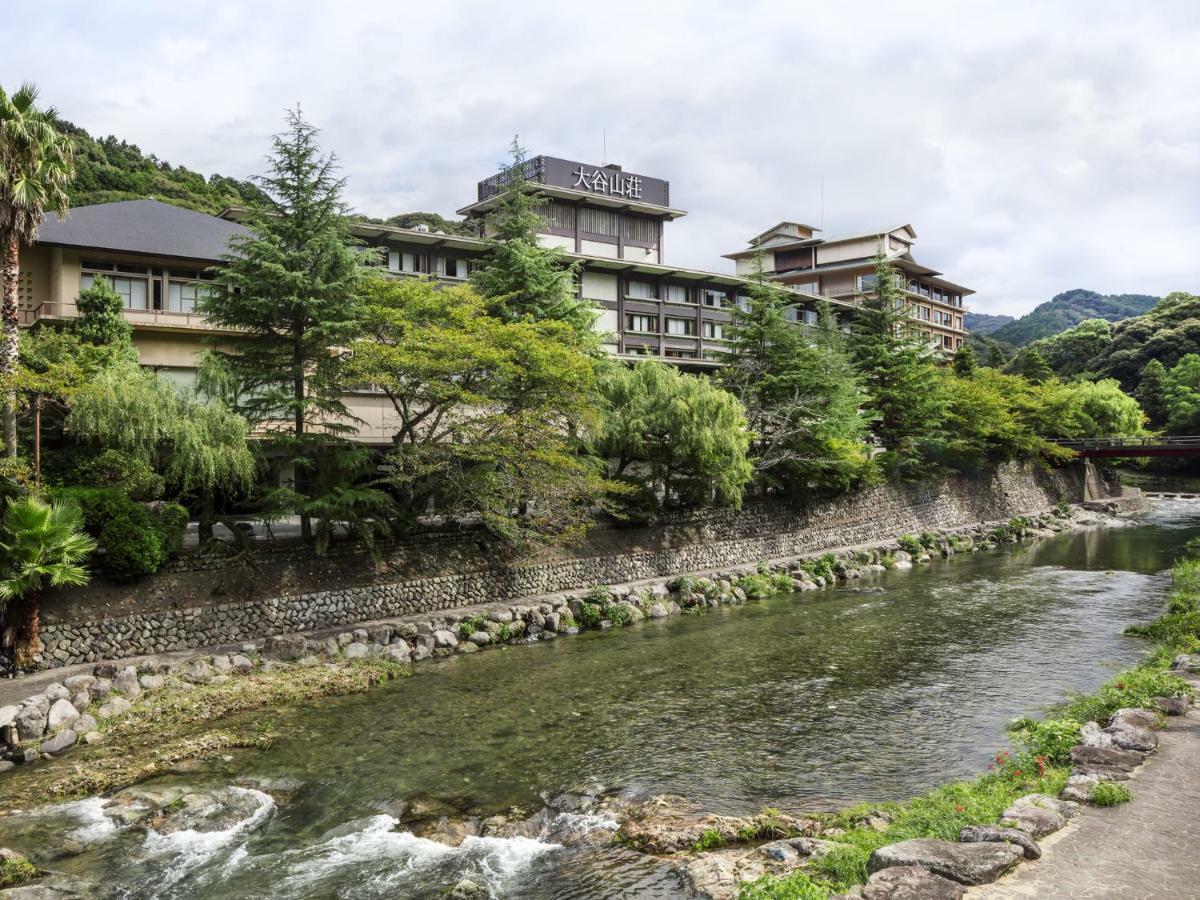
{"x":1035,"y":147}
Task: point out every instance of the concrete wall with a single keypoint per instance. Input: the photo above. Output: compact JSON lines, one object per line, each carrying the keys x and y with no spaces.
{"x":420,"y":574}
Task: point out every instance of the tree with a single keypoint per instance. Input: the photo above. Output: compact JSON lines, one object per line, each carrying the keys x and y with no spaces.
{"x":35,"y":169}
{"x":1074,"y":351}
{"x":679,"y":435}
{"x":1151,"y":393}
{"x":486,"y":410}
{"x":965,"y":361}
{"x":199,"y":445}
{"x":40,"y":543}
{"x":893,"y":364}
{"x":102,"y":321}
{"x":1031,"y":365}
{"x":799,"y":391}
{"x":290,"y":294}
{"x":522,"y":279}
{"x":1181,"y":395}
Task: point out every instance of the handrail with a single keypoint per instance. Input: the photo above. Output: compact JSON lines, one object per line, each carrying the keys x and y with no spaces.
{"x":1118,"y":442}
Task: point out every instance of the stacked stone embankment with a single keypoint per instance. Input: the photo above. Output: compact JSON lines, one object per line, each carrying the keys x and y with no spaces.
{"x":427,"y":574}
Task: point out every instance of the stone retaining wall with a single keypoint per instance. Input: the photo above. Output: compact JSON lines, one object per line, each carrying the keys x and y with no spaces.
{"x":695,"y":542}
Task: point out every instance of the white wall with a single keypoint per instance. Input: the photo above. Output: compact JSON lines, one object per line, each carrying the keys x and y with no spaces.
{"x":598,"y":248}
{"x":598,"y":286}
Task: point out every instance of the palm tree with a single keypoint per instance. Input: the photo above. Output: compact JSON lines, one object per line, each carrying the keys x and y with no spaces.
{"x":40,"y":543}
{"x":36,"y":165}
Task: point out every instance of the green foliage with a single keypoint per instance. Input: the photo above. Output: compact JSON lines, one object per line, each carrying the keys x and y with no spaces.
{"x":101,"y":321}
{"x":16,"y":871}
{"x":487,"y":411}
{"x":521,"y":279}
{"x":1136,"y":687}
{"x":617,"y":613}
{"x":1051,"y":739}
{"x":172,"y":523}
{"x":41,"y":544}
{"x":824,"y":566}
{"x":433,"y":221}
{"x":1031,"y":365}
{"x":1111,"y":793}
{"x":590,"y":614}
{"x":1072,"y":353}
{"x":470,"y":625}
{"x":765,"y":585}
{"x":965,"y":361}
{"x":598,"y":594}
{"x":1168,"y":332}
{"x":677,"y":433}
{"x":929,"y":540}
{"x":910,"y":544}
{"x":132,"y":474}
{"x":894,"y":367}
{"x":1069,"y":309}
{"x":800,"y":393}
{"x":796,"y":885}
{"x":133,"y":545}
{"x":1151,"y":393}
{"x":709,"y":840}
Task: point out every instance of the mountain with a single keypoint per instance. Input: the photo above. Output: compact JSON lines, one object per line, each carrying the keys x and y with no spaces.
{"x":984,"y":324}
{"x":108,"y":169}
{"x":1069,"y":309}
{"x":1168,"y":332}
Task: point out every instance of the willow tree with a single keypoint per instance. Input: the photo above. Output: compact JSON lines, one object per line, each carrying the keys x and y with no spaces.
{"x":36,"y":168}
{"x":199,"y":445}
{"x":289,"y":294}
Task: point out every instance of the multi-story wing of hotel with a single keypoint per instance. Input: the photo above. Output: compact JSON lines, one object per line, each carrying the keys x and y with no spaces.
{"x":611,"y":221}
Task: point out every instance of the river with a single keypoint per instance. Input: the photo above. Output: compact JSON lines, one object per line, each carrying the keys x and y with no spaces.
{"x":874,"y":691}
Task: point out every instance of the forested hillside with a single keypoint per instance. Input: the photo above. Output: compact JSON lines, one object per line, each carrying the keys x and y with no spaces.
{"x":108,"y":169}
{"x":983,"y":323}
{"x":1069,"y":309}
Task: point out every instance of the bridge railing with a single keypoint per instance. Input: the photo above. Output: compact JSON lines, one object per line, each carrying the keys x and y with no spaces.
{"x":1132,"y":443}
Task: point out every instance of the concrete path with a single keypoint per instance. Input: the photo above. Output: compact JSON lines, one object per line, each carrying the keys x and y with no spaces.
{"x":1147,"y":849}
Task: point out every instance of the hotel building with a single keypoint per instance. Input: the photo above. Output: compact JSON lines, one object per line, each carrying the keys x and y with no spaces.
{"x":610,"y":221}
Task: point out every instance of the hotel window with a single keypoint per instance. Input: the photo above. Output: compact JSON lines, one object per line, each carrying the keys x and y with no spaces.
{"x":925,"y":313}
{"x":743,"y":302}
{"x":598,"y":221}
{"x":809,"y":287}
{"x":634,"y":322}
{"x":947,"y":342}
{"x":402,"y":262}
{"x":677,"y":293}
{"x":808,"y":316}
{"x":642,"y":290}
{"x":135,"y":292}
{"x":562,"y":217}
{"x":642,"y":229}
{"x":182,"y":296}
{"x":682,"y":327}
{"x":867,"y":282}
{"x":452,"y":268}
{"x":713,"y":330}
{"x":715,"y":298}
{"x":681,"y":354}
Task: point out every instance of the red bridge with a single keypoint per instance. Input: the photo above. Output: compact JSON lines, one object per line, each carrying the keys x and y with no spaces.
{"x":1187,"y":445}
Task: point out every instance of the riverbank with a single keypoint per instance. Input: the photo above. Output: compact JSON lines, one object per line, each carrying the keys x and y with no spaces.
{"x":1086,"y":753}
{"x":858,"y":597}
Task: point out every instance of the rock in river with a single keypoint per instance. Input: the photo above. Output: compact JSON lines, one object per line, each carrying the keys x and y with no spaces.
{"x":968,"y":864}
{"x":910,"y":883}
{"x":976,"y":834}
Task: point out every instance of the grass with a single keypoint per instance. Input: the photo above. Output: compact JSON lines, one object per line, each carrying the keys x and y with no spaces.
{"x":165,"y":728}
{"x":1111,"y":793}
{"x":710,"y":840}
{"x":910,"y":544}
{"x":1040,"y":765}
{"x":14,"y":872}
{"x":470,"y":625}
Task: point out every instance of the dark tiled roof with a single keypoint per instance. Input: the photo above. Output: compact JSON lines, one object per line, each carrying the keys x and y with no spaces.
{"x":148,"y":227}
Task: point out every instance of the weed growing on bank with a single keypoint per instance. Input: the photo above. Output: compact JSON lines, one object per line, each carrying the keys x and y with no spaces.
{"x":1111,"y":793}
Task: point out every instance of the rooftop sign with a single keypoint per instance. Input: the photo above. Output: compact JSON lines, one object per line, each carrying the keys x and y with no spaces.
{"x":609,"y":182}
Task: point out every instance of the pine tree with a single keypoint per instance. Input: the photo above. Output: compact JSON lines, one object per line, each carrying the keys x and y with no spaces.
{"x":102,"y":319}
{"x":522,"y":279}
{"x":1030,"y":364}
{"x":290,"y":293}
{"x":965,"y":361}
{"x":1151,"y":392}
{"x":893,"y":363}
{"x":800,"y":392}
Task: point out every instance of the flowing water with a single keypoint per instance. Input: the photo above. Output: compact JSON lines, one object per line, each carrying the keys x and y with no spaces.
{"x":877,"y":691}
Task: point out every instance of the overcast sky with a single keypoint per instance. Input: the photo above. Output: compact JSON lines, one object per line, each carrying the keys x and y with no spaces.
{"x":1035,"y":147}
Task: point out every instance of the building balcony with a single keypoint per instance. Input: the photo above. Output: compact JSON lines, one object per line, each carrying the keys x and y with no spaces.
{"x":139,"y":318}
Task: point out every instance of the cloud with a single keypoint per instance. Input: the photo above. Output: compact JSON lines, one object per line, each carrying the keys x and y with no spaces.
{"x":1035,"y":147}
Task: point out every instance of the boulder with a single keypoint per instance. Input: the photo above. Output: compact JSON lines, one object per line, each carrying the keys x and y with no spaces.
{"x":307,"y":662}
{"x":114,"y":708}
{"x":968,"y":864}
{"x":1038,"y":814}
{"x":93,"y":737}
{"x":79,"y":682}
{"x":1173,"y":706}
{"x":668,"y":824}
{"x":30,"y":721}
{"x":398,"y":653}
{"x":81,"y":700}
{"x":480,"y":638}
{"x":285,"y":646}
{"x":1091,"y":735}
{"x":100,"y":689}
{"x":62,"y":713}
{"x":1142,"y":718}
{"x":468,"y":890}
{"x":357,"y":650}
{"x":360,"y":635}
{"x":57,"y":692}
{"x":127,"y":683}
{"x":84,"y":724}
{"x":221,"y":664}
{"x":444,"y":640}
{"x":909,"y":883}
{"x":991,"y":834}
{"x":658,"y":611}
{"x":1128,"y":736}
{"x":8,"y":714}
{"x":1102,"y":773}
{"x":151,"y":665}
{"x":106,"y":669}
{"x":467,"y":647}
{"x":58,"y":743}
{"x":241,"y":664}
{"x":553,"y":621}
{"x":197,"y":671}
{"x":1185,"y":663}
{"x":152,"y":682}
{"x":380,"y":634}
{"x":1100,"y":756}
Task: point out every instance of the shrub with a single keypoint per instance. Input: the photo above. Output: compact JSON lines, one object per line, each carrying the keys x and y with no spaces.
{"x":1110,"y":793}
{"x":470,"y":625}
{"x":129,"y":473}
{"x":133,"y":545}
{"x":598,"y":595}
{"x":172,"y":523}
{"x":929,"y":540}
{"x":708,"y":841}
{"x":618,"y":614}
{"x":1051,"y":739}
{"x":684,"y":584}
{"x":824,"y":566}
{"x":15,"y":870}
{"x":910,"y":544}
{"x":589,"y":615}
